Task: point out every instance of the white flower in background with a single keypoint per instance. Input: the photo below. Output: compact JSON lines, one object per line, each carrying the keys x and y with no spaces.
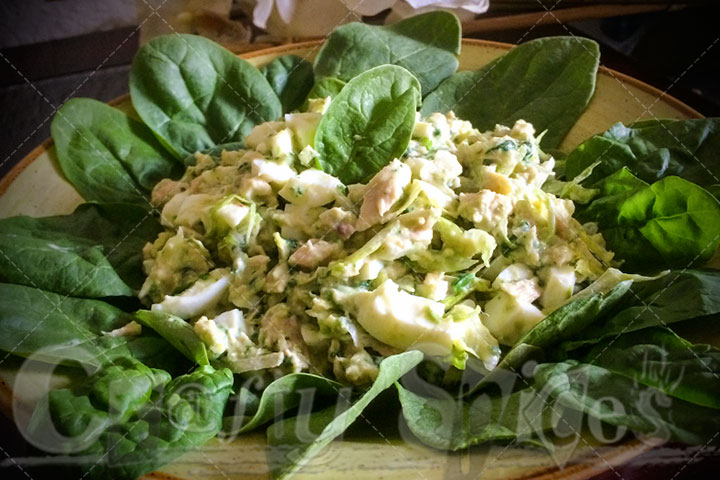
{"x":368,"y":7}
{"x":464,"y":9}
{"x":316,"y":18}
{"x":294,"y":18}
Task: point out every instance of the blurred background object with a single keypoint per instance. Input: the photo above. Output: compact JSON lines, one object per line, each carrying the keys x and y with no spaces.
{"x":209,"y":18}
{"x":316,"y":18}
{"x":237,"y":23}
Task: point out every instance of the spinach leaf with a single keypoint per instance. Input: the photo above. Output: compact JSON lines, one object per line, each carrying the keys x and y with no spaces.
{"x":658,"y":358}
{"x":82,"y":413}
{"x":107,"y":155}
{"x":547,"y":82}
{"x":282,"y":395}
{"x":62,"y":263}
{"x":64,"y":328}
{"x":620,"y":401}
{"x":672,"y":222}
{"x":368,"y":124}
{"x":194,"y":94}
{"x":177,"y":332}
{"x":123,"y":423}
{"x":620,"y":182}
{"x":293,"y":444}
{"x":155,"y":352}
{"x":94,"y":252}
{"x":326,"y":87}
{"x":69,"y":330}
{"x":653,"y":150}
{"x":655,"y":303}
{"x":189,"y":415}
{"x":425,"y":44}
{"x":449,"y":423}
{"x":291,"y":77}
{"x":122,"y":230}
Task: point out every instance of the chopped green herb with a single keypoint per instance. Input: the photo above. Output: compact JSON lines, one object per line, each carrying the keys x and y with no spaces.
{"x":462,"y":283}
{"x":504,"y":146}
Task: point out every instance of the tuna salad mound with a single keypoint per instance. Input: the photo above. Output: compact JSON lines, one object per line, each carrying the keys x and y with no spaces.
{"x":453,"y":249}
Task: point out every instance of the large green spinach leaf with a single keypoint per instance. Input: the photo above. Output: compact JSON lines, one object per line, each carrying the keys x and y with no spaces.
{"x":291,"y":77}
{"x":64,"y":264}
{"x":177,"y":332}
{"x":623,"y":402}
{"x":107,"y":155}
{"x":368,"y":124}
{"x":194,"y":94}
{"x":282,"y":395}
{"x":449,"y":423}
{"x":128,"y":420}
{"x":655,"y":303}
{"x":189,"y":415}
{"x":33,"y":320}
{"x":68,"y":330}
{"x":425,"y":44}
{"x":94,"y":252}
{"x":652,"y":150}
{"x":80,"y":415}
{"x":294,"y":441}
{"x":659,"y":358}
{"x":547,"y":82}
{"x":326,"y":87}
{"x":672,"y":223}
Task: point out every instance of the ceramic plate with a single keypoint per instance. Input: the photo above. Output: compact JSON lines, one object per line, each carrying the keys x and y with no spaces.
{"x":369,"y":450}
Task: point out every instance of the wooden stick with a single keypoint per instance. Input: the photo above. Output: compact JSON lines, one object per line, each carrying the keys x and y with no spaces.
{"x":561,"y":15}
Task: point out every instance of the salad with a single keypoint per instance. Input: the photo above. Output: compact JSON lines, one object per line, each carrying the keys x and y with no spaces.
{"x":371,"y":222}
{"x":449,"y":249}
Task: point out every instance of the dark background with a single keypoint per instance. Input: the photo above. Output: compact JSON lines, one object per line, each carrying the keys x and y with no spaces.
{"x":674,"y":50}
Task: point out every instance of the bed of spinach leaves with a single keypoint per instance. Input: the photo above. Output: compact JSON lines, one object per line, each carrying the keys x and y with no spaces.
{"x":65,"y":276}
